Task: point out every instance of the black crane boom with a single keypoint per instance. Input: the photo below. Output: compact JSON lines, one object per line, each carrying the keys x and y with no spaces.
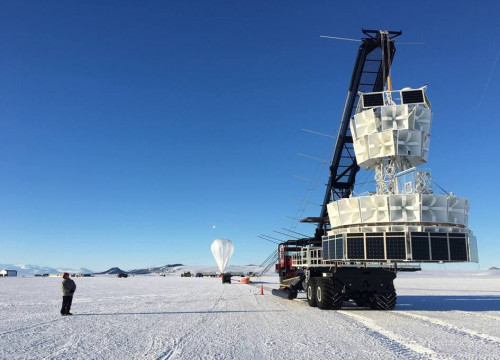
{"x":370,"y":73}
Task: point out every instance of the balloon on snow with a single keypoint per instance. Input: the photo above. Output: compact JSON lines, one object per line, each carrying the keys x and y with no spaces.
{"x":222,"y":249}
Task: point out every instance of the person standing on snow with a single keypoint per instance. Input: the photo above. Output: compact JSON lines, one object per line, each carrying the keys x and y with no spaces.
{"x":68,"y":288}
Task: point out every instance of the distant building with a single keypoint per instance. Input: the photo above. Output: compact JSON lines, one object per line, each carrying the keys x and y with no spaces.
{"x":6,"y":272}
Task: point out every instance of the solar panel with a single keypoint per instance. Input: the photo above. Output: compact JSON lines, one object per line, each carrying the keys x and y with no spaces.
{"x":355,"y":246}
{"x":458,"y":247}
{"x":396,"y":248}
{"x":439,"y":246}
{"x":413,"y":96}
{"x":373,"y":100}
{"x":339,"y":247}
{"x":374,"y":247}
{"x":420,"y":246}
{"x":325,"y":249}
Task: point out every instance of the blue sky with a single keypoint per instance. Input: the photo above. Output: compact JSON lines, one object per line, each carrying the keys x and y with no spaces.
{"x":129,"y":129}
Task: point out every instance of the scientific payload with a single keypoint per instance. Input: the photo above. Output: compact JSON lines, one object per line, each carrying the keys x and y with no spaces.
{"x":361,"y":242}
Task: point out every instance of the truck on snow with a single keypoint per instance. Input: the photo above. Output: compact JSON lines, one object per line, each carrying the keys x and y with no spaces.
{"x":362,"y":242}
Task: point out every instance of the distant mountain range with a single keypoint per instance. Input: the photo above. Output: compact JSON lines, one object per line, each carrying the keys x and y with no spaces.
{"x":30,"y":270}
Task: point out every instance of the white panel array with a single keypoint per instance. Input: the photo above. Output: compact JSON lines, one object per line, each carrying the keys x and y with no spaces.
{"x":402,"y":227}
{"x":400,"y":208}
{"x":393,"y":130}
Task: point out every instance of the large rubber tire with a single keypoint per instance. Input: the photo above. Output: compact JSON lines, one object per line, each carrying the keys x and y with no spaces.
{"x":337,"y":300}
{"x":384,"y":301}
{"x":324,"y":293}
{"x":311,"y":293}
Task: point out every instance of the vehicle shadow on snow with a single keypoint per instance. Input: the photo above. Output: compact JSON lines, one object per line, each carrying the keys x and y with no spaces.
{"x":182,"y":312}
{"x":448,"y":303}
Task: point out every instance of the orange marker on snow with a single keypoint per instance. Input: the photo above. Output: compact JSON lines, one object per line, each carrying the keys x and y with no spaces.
{"x":261,"y":289}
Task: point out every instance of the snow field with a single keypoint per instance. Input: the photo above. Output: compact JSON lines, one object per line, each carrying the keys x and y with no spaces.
{"x":150,"y":317}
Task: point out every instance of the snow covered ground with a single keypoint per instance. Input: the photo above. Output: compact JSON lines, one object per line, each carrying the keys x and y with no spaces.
{"x":439,"y":315}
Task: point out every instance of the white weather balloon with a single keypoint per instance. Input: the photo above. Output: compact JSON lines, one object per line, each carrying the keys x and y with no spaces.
{"x":222,"y":250}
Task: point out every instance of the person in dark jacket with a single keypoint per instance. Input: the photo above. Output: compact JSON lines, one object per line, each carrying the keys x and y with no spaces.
{"x":68,"y":288}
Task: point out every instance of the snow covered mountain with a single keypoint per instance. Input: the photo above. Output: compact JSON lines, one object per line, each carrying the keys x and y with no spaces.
{"x":157,"y":269}
{"x":30,"y":270}
{"x":112,"y":271}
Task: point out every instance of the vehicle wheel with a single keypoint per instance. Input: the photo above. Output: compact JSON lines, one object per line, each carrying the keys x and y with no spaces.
{"x":337,"y":300}
{"x":311,"y":292}
{"x":324,"y":293}
{"x":384,"y":301}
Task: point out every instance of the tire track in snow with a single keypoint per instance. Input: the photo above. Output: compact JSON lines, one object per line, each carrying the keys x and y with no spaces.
{"x":68,"y":342}
{"x":164,"y":350}
{"x":400,"y":345}
{"x":481,"y":315}
{"x":29,"y":327}
{"x":160,"y":349}
{"x":454,"y":329}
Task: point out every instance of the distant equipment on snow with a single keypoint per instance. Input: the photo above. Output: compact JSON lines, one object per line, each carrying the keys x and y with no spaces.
{"x":222,"y":249}
{"x":5,"y":272}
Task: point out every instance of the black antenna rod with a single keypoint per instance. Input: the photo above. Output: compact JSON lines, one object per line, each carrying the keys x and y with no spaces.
{"x":286,"y":234}
{"x":295,"y":232}
{"x":267,"y":239}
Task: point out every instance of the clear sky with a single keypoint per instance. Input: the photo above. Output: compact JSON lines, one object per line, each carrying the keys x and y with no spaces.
{"x":134,"y":133}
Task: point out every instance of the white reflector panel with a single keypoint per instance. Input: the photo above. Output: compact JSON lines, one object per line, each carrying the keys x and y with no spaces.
{"x":434,"y":208}
{"x":364,"y":123}
{"x":374,"y":209}
{"x":349,"y":211}
{"x":361,"y":150}
{"x":409,"y":143}
{"x":404,"y":208}
{"x":426,"y":144}
{"x":333,"y":214}
{"x":422,"y":118}
{"x":381,"y":144}
{"x":456,"y":210}
{"x":395,"y":117}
